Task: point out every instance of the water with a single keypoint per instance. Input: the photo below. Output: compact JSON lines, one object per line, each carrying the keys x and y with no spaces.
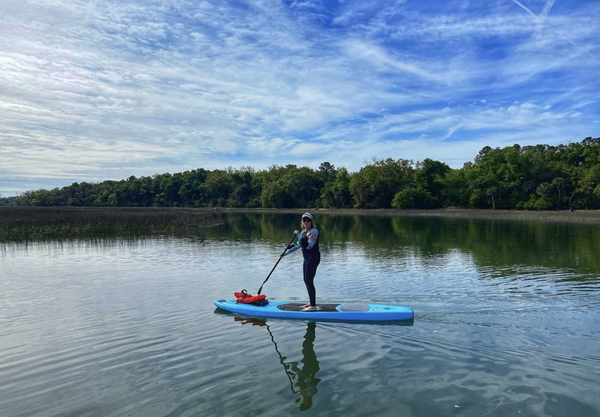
{"x":507,"y":319}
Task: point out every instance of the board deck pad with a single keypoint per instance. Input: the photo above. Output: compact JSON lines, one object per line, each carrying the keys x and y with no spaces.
{"x":299,"y":307}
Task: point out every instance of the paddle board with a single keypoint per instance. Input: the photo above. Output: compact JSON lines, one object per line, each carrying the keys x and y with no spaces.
{"x":338,"y":312}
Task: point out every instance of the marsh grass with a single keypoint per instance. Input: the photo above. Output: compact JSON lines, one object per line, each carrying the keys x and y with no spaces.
{"x":37,"y":223}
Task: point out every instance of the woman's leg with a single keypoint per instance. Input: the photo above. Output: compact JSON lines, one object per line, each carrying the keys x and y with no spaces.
{"x":310,"y":270}
{"x":304,"y":277}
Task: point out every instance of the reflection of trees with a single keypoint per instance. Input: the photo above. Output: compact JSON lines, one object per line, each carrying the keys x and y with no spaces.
{"x":489,"y":242}
{"x":534,"y":244}
{"x":303,"y":380}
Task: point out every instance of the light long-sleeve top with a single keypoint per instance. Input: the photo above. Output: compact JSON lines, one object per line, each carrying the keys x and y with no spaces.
{"x":312,"y":235}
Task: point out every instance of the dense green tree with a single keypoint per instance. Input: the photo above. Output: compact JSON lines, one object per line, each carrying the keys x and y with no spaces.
{"x":303,"y":186}
{"x":6,"y":201}
{"x":336,"y":193}
{"x":484,"y":180}
{"x":427,"y":191}
{"x":454,"y":190}
{"x":413,"y":198}
{"x":327,"y":172}
{"x":376,"y":184}
{"x":275,"y":195}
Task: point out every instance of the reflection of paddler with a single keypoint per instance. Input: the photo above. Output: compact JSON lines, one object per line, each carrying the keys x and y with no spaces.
{"x":307,"y":380}
{"x":303,"y":380}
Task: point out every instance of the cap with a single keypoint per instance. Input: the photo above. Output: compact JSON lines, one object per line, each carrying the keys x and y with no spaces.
{"x":307,"y":214}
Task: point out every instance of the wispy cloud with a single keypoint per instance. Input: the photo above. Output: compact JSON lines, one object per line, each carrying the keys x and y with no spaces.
{"x":93,"y":90}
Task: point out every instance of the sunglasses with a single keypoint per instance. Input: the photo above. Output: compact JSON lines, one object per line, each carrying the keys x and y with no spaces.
{"x":306,"y":220}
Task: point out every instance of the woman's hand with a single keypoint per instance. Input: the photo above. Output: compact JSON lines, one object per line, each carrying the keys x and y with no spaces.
{"x":296,"y":232}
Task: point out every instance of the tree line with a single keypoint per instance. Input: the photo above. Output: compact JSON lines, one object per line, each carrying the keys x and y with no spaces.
{"x":540,"y":177}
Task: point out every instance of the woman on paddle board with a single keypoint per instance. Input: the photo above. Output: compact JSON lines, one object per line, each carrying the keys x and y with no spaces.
{"x":308,"y":240}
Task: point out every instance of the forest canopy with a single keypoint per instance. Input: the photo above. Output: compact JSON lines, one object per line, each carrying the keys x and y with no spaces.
{"x":540,"y":177}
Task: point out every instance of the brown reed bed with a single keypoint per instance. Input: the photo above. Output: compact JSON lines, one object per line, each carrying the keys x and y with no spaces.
{"x":34,"y":223}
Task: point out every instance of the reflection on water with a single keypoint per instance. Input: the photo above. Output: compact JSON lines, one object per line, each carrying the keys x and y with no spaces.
{"x":303,"y":380}
{"x":504,"y":243}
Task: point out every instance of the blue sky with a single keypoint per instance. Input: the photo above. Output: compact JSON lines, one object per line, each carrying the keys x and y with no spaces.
{"x":95,"y":90}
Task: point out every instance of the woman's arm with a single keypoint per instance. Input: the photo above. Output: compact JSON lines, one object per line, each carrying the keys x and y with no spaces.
{"x":296,"y":245}
{"x":313,"y":234}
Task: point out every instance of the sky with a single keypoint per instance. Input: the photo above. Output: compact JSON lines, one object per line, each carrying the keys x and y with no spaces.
{"x":98,"y":90}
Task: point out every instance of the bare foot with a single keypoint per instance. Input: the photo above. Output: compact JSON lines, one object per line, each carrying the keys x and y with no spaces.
{"x":311,"y":308}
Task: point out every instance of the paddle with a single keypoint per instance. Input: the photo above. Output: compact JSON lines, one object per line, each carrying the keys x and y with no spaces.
{"x":260,"y":289}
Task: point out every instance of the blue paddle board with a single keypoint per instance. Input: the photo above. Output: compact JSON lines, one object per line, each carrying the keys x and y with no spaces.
{"x":337,"y":312}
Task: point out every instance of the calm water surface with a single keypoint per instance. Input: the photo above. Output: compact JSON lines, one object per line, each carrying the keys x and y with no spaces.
{"x":507,"y":322}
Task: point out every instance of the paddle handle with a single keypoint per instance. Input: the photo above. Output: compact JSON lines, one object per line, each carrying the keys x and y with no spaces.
{"x":277,"y":263}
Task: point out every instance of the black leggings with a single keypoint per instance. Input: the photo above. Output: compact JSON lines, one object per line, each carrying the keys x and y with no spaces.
{"x":309,"y":268}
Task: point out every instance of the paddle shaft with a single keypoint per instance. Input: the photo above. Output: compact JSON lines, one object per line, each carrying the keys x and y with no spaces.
{"x":277,"y":263}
